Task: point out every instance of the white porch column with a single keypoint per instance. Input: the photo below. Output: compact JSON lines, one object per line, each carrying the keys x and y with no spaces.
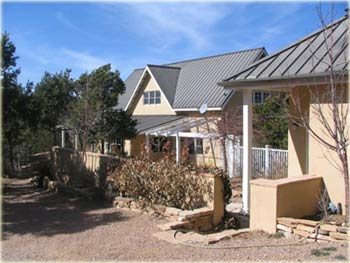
{"x":178,"y":148}
{"x":62,"y":138}
{"x":247,"y":147}
{"x":147,"y":146}
{"x":76,"y":139}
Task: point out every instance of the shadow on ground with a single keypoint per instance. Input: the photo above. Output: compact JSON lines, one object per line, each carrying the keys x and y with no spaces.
{"x":29,"y":210}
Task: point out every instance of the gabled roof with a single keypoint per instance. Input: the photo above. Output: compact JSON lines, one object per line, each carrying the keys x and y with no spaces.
{"x":309,"y":56}
{"x":130,"y":85}
{"x":188,"y":84}
{"x":166,"y":77}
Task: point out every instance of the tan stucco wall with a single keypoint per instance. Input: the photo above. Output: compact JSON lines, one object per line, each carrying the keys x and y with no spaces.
{"x":156,"y":109}
{"x":289,"y":197}
{"x":321,"y":161}
{"x":297,"y":138}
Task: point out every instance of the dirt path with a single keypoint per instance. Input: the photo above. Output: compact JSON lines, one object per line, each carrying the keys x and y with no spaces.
{"x":40,"y":225}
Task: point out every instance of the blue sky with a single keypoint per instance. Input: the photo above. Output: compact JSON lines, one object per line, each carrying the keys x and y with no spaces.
{"x":82,"y":36}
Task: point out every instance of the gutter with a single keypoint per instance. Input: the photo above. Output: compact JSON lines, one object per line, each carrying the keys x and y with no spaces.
{"x":285,"y":82}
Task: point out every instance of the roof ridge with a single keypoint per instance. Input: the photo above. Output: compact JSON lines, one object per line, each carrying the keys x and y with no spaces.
{"x":218,"y":55}
{"x":312,"y":34}
{"x":162,"y":66}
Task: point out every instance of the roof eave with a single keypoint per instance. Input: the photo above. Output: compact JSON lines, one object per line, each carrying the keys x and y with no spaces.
{"x":284,"y":82}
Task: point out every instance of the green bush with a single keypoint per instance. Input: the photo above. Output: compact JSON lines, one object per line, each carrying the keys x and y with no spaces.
{"x":163,"y":182}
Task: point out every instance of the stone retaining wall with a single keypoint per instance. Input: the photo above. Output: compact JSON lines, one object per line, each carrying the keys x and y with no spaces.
{"x":314,"y":230}
{"x":201,"y":219}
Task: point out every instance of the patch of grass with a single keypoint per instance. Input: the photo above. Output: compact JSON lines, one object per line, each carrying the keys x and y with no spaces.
{"x":276,"y":235}
{"x":329,"y":248}
{"x":319,"y":253}
{"x":340,"y":257}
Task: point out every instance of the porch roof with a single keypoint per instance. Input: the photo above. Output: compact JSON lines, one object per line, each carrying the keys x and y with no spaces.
{"x":174,"y":126}
{"x":146,"y":122}
{"x":308,"y":60}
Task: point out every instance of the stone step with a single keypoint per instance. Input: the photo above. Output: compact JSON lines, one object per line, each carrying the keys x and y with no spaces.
{"x":216,"y":237}
{"x":307,"y":222}
{"x":340,"y":236}
{"x":309,"y":229}
{"x":343,"y":229}
{"x":328,"y":227}
{"x":187,"y":215}
{"x":174,"y":225}
{"x":172,"y":211}
{"x":287,"y":221}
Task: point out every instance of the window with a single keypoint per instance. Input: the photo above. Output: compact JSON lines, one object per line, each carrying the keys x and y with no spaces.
{"x":259,"y":97}
{"x":151,"y":97}
{"x":195,"y":146}
{"x":158,"y":143}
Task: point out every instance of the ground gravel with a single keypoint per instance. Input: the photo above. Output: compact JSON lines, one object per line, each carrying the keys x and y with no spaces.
{"x":39,"y":225}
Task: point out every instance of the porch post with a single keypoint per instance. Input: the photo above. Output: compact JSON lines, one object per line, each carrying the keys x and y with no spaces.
{"x":247,"y":147}
{"x":178,"y":148}
{"x":147,"y":146}
{"x":76,"y":139}
{"x":62,"y":138}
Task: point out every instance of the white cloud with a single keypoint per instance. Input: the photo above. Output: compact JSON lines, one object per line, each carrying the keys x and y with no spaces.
{"x":66,"y":22}
{"x":83,"y":60}
{"x":165,"y":25}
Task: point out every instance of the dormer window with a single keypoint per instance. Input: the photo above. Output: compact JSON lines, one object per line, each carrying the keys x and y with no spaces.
{"x":151,"y":97}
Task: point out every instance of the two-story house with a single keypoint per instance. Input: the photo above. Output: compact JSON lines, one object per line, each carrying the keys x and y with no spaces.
{"x":182,"y":101}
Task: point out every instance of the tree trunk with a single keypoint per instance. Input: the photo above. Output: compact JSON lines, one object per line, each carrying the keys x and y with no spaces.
{"x":345,"y":164}
{"x":12,"y":161}
{"x":102,"y":146}
{"x":54,"y":137}
{"x":123,"y":147}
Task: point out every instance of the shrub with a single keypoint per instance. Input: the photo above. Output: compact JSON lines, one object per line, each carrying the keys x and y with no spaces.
{"x":162,"y":182}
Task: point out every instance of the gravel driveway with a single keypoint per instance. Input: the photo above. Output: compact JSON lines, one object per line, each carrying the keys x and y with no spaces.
{"x":40,"y":225}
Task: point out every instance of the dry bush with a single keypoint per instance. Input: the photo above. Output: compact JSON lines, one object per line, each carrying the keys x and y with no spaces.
{"x":162,"y":182}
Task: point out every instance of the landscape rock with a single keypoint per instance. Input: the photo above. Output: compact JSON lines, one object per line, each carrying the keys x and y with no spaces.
{"x":328,"y":227}
{"x":284,"y":228}
{"x":172,"y":211}
{"x":340,"y":236}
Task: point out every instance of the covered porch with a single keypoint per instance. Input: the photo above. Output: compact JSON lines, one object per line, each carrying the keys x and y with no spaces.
{"x":198,"y":136}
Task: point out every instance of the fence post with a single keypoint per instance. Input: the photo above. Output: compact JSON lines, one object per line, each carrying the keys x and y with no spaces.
{"x":267,"y":164}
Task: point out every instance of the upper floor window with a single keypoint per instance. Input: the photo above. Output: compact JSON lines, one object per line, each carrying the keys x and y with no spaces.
{"x":151,"y":97}
{"x":260,"y":97}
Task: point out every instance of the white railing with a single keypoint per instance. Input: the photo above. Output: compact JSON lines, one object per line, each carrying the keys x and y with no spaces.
{"x":266,"y":162}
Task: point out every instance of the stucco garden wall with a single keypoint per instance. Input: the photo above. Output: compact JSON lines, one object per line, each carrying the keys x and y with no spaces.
{"x":289,"y":197}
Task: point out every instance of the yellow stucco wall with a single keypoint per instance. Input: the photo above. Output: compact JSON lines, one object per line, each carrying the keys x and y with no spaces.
{"x":309,"y":153}
{"x":289,"y":197}
{"x":156,"y":109}
{"x":297,"y":138}
{"x":323,"y":161}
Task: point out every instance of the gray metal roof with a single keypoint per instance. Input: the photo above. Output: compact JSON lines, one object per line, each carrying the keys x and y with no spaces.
{"x":310,"y":56}
{"x":130,"y":85}
{"x":166,"y":78}
{"x":145,"y":122}
{"x":190,"y":83}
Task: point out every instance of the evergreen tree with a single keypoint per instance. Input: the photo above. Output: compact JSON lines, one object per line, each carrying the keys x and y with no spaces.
{"x":271,"y":120}
{"x":92,"y":113}
{"x":15,"y":101}
{"x":54,"y":93}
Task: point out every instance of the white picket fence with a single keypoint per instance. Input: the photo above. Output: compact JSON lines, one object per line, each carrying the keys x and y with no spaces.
{"x":266,"y":162}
